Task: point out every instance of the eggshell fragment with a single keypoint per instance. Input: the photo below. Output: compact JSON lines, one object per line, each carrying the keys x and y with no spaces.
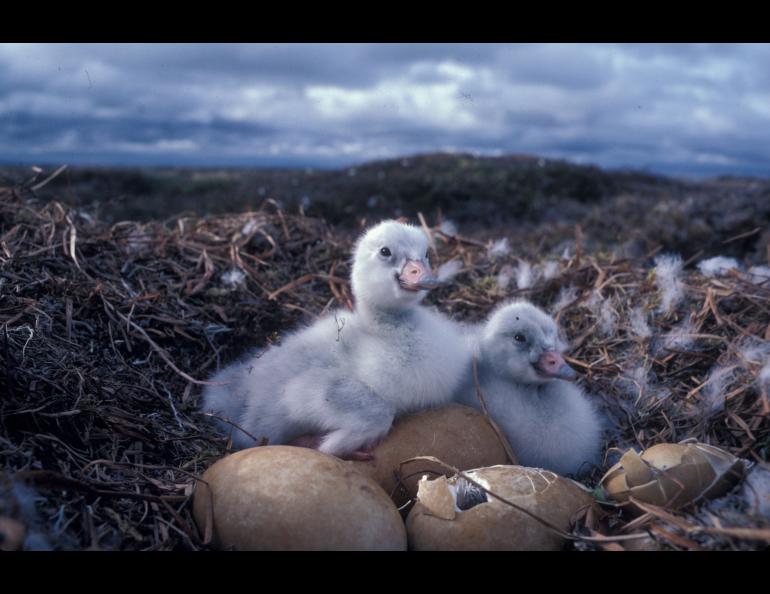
{"x":438,"y":497}
{"x":673,"y":474}
{"x":487,"y":523}
{"x":291,"y":498}
{"x":457,"y":435}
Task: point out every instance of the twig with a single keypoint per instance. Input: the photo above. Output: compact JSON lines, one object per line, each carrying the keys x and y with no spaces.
{"x":229,"y":422}
{"x":303,"y":279}
{"x":742,"y":235}
{"x":428,"y":234}
{"x":158,"y":349}
{"x":500,"y":435}
{"x":55,"y":174}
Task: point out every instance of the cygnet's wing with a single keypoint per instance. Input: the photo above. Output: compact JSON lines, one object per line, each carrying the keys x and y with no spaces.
{"x":255,"y":395}
{"x":323,"y":396}
{"x":554,"y":426}
{"x":578,"y":443}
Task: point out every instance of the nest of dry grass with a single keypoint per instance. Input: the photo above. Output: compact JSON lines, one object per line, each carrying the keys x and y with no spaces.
{"x":107,"y":331}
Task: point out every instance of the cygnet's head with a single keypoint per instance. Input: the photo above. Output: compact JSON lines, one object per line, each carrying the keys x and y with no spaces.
{"x":391,"y":268}
{"x":522,"y":343}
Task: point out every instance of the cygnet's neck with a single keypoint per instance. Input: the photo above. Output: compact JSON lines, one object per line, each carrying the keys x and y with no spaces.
{"x":488,"y":370}
{"x":385,"y":316}
{"x":540,"y":390}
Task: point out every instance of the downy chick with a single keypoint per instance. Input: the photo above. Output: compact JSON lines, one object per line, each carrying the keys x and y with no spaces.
{"x":338,"y":384}
{"x":548,"y":421}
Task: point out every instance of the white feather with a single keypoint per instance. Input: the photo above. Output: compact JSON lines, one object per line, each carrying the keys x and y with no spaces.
{"x":608,"y":318}
{"x":448,"y":270}
{"x":753,"y":350}
{"x":764,"y":375}
{"x":714,"y":391}
{"x":717,"y":266}
{"x":759,"y":274}
{"x":499,"y":249}
{"x":667,"y":270}
{"x":639,"y":326}
{"x":566,"y":296}
{"x":551,"y":269}
{"x":604,"y":312}
{"x":503,"y":278}
{"x":639,"y":377}
{"x":250,"y":227}
{"x":235,"y":277}
{"x":448,"y":227}
{"x":681,"y":336}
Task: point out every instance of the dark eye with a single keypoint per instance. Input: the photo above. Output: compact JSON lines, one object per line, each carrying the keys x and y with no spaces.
{"x":427,"y":255}
{"x":520,"y":338}
{"x":385,"y":252}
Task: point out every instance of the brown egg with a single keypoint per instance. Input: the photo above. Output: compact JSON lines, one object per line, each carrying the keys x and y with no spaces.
{"x":672,"y":474}
{"x":454,"y":515}
{"x":457,"y":435}
{"x":290,"y":498}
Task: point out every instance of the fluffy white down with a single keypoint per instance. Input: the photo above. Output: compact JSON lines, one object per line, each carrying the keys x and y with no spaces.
{"x":350,"y":374}
{"x":668,"y":268}
{"x":550,"y":424}
{"x":717,"y":266}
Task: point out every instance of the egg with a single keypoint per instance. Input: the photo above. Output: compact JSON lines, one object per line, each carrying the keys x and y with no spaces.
{"x":672,"y":474}
{"x":457,"y":435}
{"x":453,"y":514}
{"x":291,"y":498}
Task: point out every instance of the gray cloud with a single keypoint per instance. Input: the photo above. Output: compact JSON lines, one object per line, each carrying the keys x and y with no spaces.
{"x":691,"y":109}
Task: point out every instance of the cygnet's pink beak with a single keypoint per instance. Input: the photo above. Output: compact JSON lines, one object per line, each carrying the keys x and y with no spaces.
{"x":551,"y":364}
{"x":416,"y":276}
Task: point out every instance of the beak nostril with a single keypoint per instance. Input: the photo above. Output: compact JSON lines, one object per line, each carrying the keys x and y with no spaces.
{"x":417,"y":276}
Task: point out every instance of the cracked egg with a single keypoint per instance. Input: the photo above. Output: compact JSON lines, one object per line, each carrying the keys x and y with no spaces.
{"x":672,"y":475}
{"x":454,"y":514}
{"x":457,"y":435}
{"x":291,"y":498}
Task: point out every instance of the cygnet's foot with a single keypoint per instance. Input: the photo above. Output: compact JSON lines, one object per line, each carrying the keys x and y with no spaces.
{"x":361,"y":454}
{"x":365,"y":452}
{"x":314,"y":442}
{"x":307,"y":441}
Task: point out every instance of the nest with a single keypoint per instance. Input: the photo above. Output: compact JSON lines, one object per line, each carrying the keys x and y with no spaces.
{"x":108,"y":331}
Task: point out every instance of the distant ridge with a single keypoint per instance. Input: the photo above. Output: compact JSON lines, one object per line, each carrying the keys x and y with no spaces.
{"x":508,"y":194}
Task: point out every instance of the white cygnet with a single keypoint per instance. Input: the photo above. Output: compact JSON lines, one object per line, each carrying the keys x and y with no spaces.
{"x":549,"y":422}
{"x":338,"y":384}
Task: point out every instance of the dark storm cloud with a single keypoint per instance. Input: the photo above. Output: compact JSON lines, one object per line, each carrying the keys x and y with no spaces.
{"x":683,"y":109}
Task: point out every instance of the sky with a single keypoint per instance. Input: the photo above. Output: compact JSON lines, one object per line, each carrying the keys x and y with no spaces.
{"x":690,"y":110}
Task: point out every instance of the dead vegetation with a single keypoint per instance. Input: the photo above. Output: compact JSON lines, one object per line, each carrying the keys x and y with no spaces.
{"x":107,"y":331}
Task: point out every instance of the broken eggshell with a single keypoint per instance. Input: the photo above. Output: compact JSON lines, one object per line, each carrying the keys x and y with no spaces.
{"x":672,"y":475}
{"x":457,"y":435}
{"x":291,"y":498}
{"x":454,"y":514}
